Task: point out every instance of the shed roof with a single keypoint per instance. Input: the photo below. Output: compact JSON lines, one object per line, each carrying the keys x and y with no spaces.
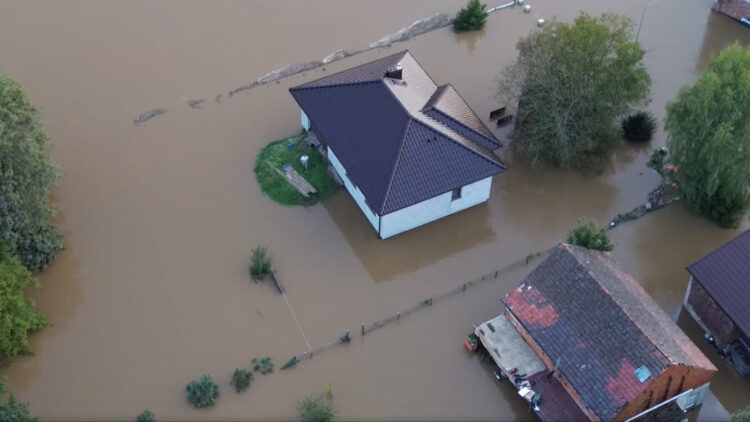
{"x":725,"y":275}
{"x":599,"y":327}
{"x":382,"y":132}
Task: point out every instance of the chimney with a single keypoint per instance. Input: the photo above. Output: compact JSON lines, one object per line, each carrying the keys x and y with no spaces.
{"x":394,"y":72}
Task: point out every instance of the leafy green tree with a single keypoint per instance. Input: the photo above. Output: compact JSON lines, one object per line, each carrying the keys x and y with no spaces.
{"x":202,"y":392}
{"x":11,"y":410}
{"x":260,"y":263}
{"x":470,"y":18}
{"x":588,"y":235}
{"x":315,"y":409}
{"x":241,"y":379}
{"x":709,"y":139}
{"x":741,"y":415}
{"x":17,"y":316}
{"x":572,"y":83}
{"x":26,"y":175}
{"x":146,"y":416}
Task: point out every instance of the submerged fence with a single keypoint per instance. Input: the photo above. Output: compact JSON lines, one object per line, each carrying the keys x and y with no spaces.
{"x":422,"y":304}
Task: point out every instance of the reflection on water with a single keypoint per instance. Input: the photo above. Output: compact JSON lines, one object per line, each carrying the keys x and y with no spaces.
{"x":409,"y":251}
{"x":721,"y":32}
{"x":470,"y":38}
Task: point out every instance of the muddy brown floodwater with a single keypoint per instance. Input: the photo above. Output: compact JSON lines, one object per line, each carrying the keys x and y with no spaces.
{"x":152,"y":289}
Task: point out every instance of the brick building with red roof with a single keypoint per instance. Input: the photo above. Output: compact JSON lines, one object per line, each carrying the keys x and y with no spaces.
{"x":610,"y":347}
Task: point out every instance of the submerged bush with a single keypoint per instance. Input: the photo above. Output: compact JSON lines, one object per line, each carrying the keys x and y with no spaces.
{"x":146,"y":416}
{"x":260,"y":263}
{"x":315,"y":409}
{"x":263,"y":365}
{"x":470,"y":18}
{"x":741,"y":415}
{"x":11,"y":410}
{"x":202,"y":393}
{"x":241,"y":379}
{"x":639,"y":126}
{"x":588,"y":235}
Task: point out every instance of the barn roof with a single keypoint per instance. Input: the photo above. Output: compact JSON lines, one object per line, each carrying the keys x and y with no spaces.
{"x":725,"y":275}
{"x":603,"y":332}
{"x":401,"y":142}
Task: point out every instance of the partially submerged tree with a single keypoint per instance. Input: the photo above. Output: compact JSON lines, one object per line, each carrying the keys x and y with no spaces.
{"x":709,"y":139}
{"x":315,"y":409}
{"x":241,"y":379}
{"x":202,"y":392}
{"x":17,"y":315}
{"x":260,"y":263}
{"x":26,"y":175}
{"x":573,"y":82}
{"x":639,"y":126}
{"x":11,"y":410}
{"x":588,"y":235}
{"x":741,"y":415}
{"x":146,"y":416}
{"x":470,"y":18}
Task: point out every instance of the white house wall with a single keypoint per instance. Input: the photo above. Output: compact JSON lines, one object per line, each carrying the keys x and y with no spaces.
{"x":305,"y":120}
{"x":434,"y":208}
{"x":354,"y":191}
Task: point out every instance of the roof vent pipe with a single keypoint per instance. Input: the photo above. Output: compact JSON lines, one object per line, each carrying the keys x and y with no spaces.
{"x":394,"y":72}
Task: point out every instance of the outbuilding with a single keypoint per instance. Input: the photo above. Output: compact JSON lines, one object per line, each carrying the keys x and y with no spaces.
{"x":718,"y":298}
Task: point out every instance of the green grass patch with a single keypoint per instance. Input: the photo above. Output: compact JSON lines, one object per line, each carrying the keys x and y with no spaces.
{"x":289,"y":151}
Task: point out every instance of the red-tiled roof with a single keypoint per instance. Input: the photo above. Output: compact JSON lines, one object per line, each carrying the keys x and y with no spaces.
{"x":725,"y":275}
{"x":599,"y":327}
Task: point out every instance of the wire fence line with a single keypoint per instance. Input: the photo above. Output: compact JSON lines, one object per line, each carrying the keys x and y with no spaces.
{"x":422,"y":304}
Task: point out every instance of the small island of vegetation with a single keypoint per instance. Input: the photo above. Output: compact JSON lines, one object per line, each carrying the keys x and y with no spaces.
{"x":273,"y":183}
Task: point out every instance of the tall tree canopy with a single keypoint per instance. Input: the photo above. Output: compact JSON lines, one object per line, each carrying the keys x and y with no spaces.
{"x":709,"y":139}
{"x":17,"y":316}
{"x":26,"y":174}
{"x":573,"y":83}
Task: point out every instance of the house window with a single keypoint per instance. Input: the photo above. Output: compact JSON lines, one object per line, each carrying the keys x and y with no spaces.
{"x":455,"y":194}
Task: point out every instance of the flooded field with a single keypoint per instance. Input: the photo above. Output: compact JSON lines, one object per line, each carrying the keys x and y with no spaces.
{"x":152,"y":289}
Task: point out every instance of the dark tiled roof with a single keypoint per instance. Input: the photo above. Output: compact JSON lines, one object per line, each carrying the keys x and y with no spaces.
{"x":393,"y":152}
{"x":598,"y":326}
{"x":725,"y":275}
{"x":556,"y":405}
{"x":448,"y":102}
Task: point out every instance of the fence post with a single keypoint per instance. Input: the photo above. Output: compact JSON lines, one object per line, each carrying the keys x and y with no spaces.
{"x":398,"y":315}
{"x":363,"y":329}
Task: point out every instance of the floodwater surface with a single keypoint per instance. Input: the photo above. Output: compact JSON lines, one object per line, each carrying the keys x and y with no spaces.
{"x":152,"y":289}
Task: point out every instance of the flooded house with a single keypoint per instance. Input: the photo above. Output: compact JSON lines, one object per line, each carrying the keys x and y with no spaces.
{"x":718,"y":298}
{"x":735,"y":9}
{"x":408,"y":151}
{"x":581,"y":340}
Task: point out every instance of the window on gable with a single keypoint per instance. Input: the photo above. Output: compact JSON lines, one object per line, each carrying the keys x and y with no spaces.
{"x":455,"y":194}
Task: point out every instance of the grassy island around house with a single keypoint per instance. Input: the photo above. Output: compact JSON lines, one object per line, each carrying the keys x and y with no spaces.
{"x":273,"y":183}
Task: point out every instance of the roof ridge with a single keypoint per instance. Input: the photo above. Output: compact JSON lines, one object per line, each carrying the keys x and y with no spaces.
{"x":599,"y":255}
{"x":395,"y":166}
{"x":434,"y":98}
{"x":384,"y":58}
{"x":496,"y":161}
{"x":481,"y":122}
{"x":448,"y":116}
{"x":333,"y":85}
